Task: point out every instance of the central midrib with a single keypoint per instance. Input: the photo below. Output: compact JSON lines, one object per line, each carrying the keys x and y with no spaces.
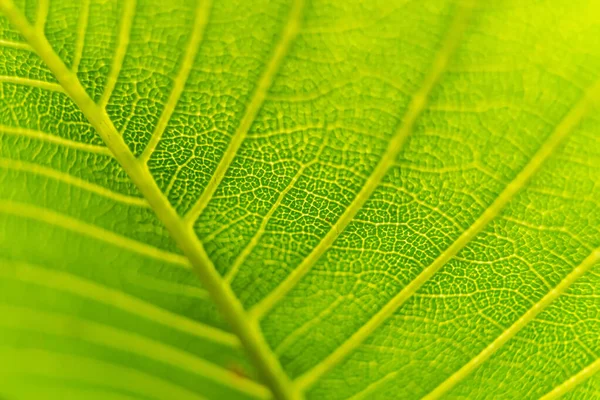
{"x":232,"y":310}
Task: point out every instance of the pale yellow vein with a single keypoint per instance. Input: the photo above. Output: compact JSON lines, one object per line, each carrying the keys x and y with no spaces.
{"x":15,"y":45}
{"x":260,"y":93}
{"x":552,"y":143}
{"x":119,"y":56}
{"x":573,"y":381}
{"x":239,"y":260}
{"x":71,"y":180}
{"x":85,"y":288}
{"x":74,"y":225}
{"x":372,"y":388}
{"x":510,"y":332}
{"x":42,"y":15}
{"x":309,"y":325}
{"x":415,"y":108}
{"x":17,"y":80}
{"x":37,"y":363}
{"x":130,"y":342}
{"x":249,"y":333}
{"x":46,"y":137}
{"x":200,"y":22}
{"x":82,"y":24}
{"x":167,"y":287}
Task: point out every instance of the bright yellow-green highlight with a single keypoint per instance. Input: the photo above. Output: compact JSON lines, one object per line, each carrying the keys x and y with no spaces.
{"x":298,"y":199}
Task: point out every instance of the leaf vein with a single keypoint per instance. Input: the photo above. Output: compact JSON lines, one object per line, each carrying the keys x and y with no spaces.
{"x":515,"y":328}
{"x":85,"y":288}
{"x":415,"y":108}
{"x":17,"y":80}
{"x":43,"y":136}
{"x":15,"y":45}
{"x":282,"y":48}
{"x":42,"y":15}
{"x":112,"y":337}
{"x":573,"y":381}
{"x":122,"y":44}
{"x":81,"y":29}
{"x":74,"y":225}
{"x":265,"y":220}
{"x":71,"y":180}
{"x":551,"y":144}
{"x":250,"y":334}
{"x":200,"y":22}
{"x":42,"y":363}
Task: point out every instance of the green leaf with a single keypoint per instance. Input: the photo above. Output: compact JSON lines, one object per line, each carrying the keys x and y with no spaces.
{"x":299,"y":199}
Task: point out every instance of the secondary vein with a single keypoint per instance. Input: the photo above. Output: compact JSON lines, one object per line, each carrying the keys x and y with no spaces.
{"x":36,"y":169}
{"x":94,"y":291}
{"x":14,"y":45}
{"x":102,"y":374}
{"x":95,"y":232}
{"x":200,"y":22}
{"x":289,"y":34}
{"x":241,"y":258}
{"x":42,"y":15}
{"x":249,"y":333}
{"x":510,"y":332}
{"x":108,"y":336}
{"x":82,"y":24}
{"x":122,"y":44}
{"x":39,"y":135}
{"x":545,"y":151}
{"x":17,"y":80}
{"x":415,"y":108}
{"x":573,"y":381}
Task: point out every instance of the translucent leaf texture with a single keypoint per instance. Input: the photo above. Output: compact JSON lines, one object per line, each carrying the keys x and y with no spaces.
{"x":299,"y":199}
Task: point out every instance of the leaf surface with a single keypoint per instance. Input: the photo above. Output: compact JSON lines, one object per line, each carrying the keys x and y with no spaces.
{"x":299,"y":199}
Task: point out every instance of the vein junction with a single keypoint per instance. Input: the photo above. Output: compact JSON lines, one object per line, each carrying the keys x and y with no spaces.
{"x":509,"y":333}
{"x":181,"y":228}
{"x":510,"y":191}
{"x":232,"y":310}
